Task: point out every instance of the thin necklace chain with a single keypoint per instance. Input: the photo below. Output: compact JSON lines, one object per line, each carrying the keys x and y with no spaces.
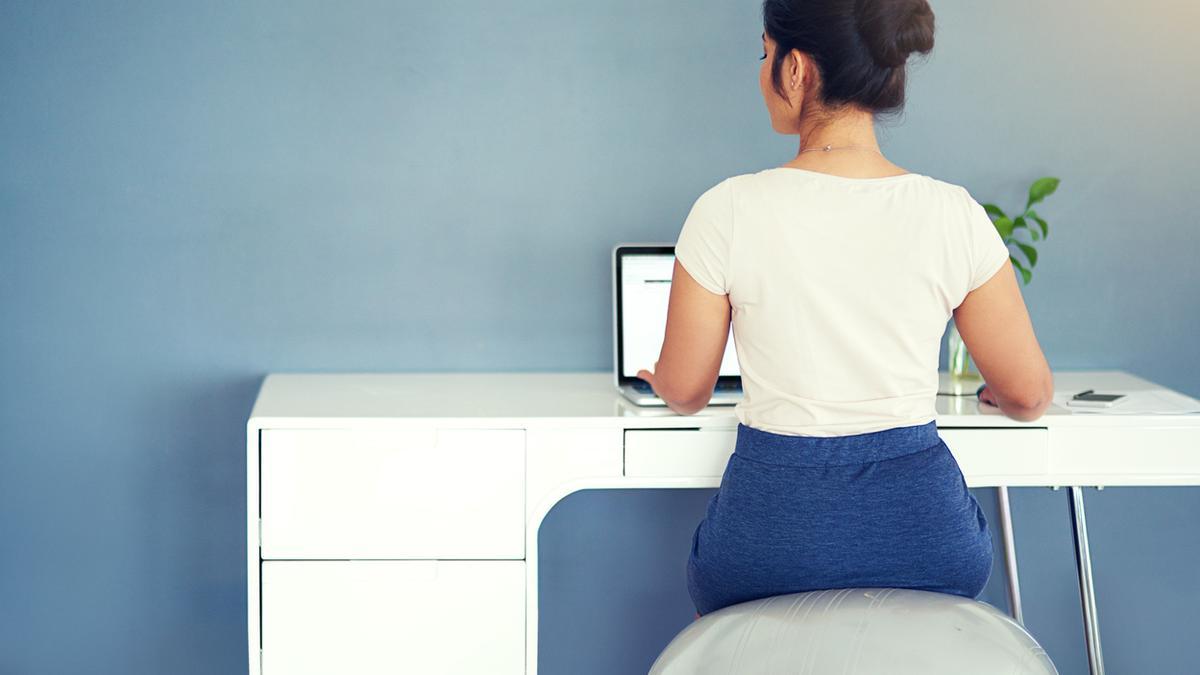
{"x":828,"y":148}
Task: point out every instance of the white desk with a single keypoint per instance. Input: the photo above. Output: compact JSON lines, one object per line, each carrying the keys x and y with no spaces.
{"x":393,"y":518}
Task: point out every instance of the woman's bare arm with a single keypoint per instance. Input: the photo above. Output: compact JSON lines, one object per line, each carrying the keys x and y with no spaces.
{"x":995,"y":325}
{"x":696,"y":335}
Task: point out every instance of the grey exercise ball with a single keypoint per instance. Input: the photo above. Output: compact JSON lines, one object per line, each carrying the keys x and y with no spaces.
{"x":855,"y":631}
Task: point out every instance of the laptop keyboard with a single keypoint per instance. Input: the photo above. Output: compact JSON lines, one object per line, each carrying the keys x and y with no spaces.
{"x":644,"y":387}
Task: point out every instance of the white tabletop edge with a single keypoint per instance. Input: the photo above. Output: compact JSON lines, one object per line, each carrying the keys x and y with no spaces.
{"x":588,"y":400}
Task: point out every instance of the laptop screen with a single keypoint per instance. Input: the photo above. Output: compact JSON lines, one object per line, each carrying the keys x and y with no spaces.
{"x":645,"y":288}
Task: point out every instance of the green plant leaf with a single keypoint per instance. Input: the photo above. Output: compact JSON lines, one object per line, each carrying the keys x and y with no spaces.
{"x":994,"y":211}
{"x":1005,"y":227}
{"x":1021,"y":223}
{"x":1041,"y":188}
{"x":1041,"y":223}
{"x":1026,"y":275}
{"x":1030,"y":252}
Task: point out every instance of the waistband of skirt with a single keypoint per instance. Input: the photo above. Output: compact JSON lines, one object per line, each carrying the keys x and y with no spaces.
{"x":876,"y":446}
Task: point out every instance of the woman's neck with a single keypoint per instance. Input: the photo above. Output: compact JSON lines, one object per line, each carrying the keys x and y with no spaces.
{"x":854,"y":150}
{"x":854,"y":127}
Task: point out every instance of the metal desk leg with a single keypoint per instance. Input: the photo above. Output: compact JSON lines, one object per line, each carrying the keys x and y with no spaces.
{"x":1087,"y":589}
{"x":1010,"y":555}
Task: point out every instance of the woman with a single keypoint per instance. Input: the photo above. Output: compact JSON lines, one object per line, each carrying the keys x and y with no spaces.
{"x":840,"y":271}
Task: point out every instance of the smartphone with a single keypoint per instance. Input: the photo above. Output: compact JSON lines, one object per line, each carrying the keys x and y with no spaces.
{"x":1093,"y":400}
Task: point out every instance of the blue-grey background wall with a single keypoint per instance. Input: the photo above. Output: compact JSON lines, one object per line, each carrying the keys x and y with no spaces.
{"x":195,"y":194}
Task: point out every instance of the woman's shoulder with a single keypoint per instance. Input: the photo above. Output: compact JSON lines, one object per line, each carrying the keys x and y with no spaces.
{"x":784,"y":174}
{"x":949,"y":188}
{"x":765,"y":183}
{"x":727,"y":189}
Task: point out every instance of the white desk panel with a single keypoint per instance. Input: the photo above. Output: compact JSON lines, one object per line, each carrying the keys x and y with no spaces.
{"x":518,"y":400}
{"x":990,"y":457}
{"x":413,"y":493}
{"x":430,"y":617}
{"x":678,"y":452}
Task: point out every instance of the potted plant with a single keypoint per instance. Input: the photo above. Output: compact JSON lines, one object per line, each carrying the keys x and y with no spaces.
{"x":1019,"y":233}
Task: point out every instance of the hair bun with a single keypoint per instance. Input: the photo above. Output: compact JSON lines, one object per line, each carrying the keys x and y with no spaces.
{"x":894,"y":29}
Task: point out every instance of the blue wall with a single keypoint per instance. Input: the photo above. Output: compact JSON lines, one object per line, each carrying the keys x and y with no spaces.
{"x":195,"y":194}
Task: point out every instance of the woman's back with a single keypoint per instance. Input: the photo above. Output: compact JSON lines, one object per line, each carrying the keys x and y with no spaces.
{"x":839,"y":272}
{"x":840,"y":290}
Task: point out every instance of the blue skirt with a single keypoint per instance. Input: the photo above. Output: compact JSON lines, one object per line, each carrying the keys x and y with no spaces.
{"x":799,"y":513}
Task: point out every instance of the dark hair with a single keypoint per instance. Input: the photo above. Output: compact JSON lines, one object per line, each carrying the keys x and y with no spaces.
{"x":860,"y":47}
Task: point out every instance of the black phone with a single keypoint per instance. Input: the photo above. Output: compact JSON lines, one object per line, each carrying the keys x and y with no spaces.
{"x":1090,"y":399}
{"x":1102,"y":398}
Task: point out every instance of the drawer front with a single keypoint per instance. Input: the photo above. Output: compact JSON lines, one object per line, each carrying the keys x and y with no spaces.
{"x":678,"y":452}
{"x":985,"y":455}
{"x":1143,"y":455}
{"x":392,"y":494}
{"x":999,"y":456}
{"x":375,"y":617}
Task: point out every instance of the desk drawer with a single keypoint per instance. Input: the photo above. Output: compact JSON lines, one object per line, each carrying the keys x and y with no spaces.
{"x":1137,"y":455}
{"x":378,"y":617}
{"x":392,"y":494}
{"x":991,"y":456}
{"x":983,"y":454}
{"x":678,"y":452}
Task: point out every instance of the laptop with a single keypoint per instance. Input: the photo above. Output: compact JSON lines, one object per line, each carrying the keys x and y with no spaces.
{"x":641,"y":289}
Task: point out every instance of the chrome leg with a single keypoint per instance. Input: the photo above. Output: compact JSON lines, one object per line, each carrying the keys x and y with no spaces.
{"x":1087,"y":589}
{"x":1010,"y":555}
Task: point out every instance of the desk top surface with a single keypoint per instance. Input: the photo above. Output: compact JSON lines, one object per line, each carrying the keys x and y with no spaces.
{"x":591,"y":399}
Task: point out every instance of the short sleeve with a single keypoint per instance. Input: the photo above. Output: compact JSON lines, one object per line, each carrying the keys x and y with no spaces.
{"x":988,"y":252}
{"x":704,"y":242}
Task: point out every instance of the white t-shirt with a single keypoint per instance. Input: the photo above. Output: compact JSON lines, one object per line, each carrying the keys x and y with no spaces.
{"x":841,"y":289}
